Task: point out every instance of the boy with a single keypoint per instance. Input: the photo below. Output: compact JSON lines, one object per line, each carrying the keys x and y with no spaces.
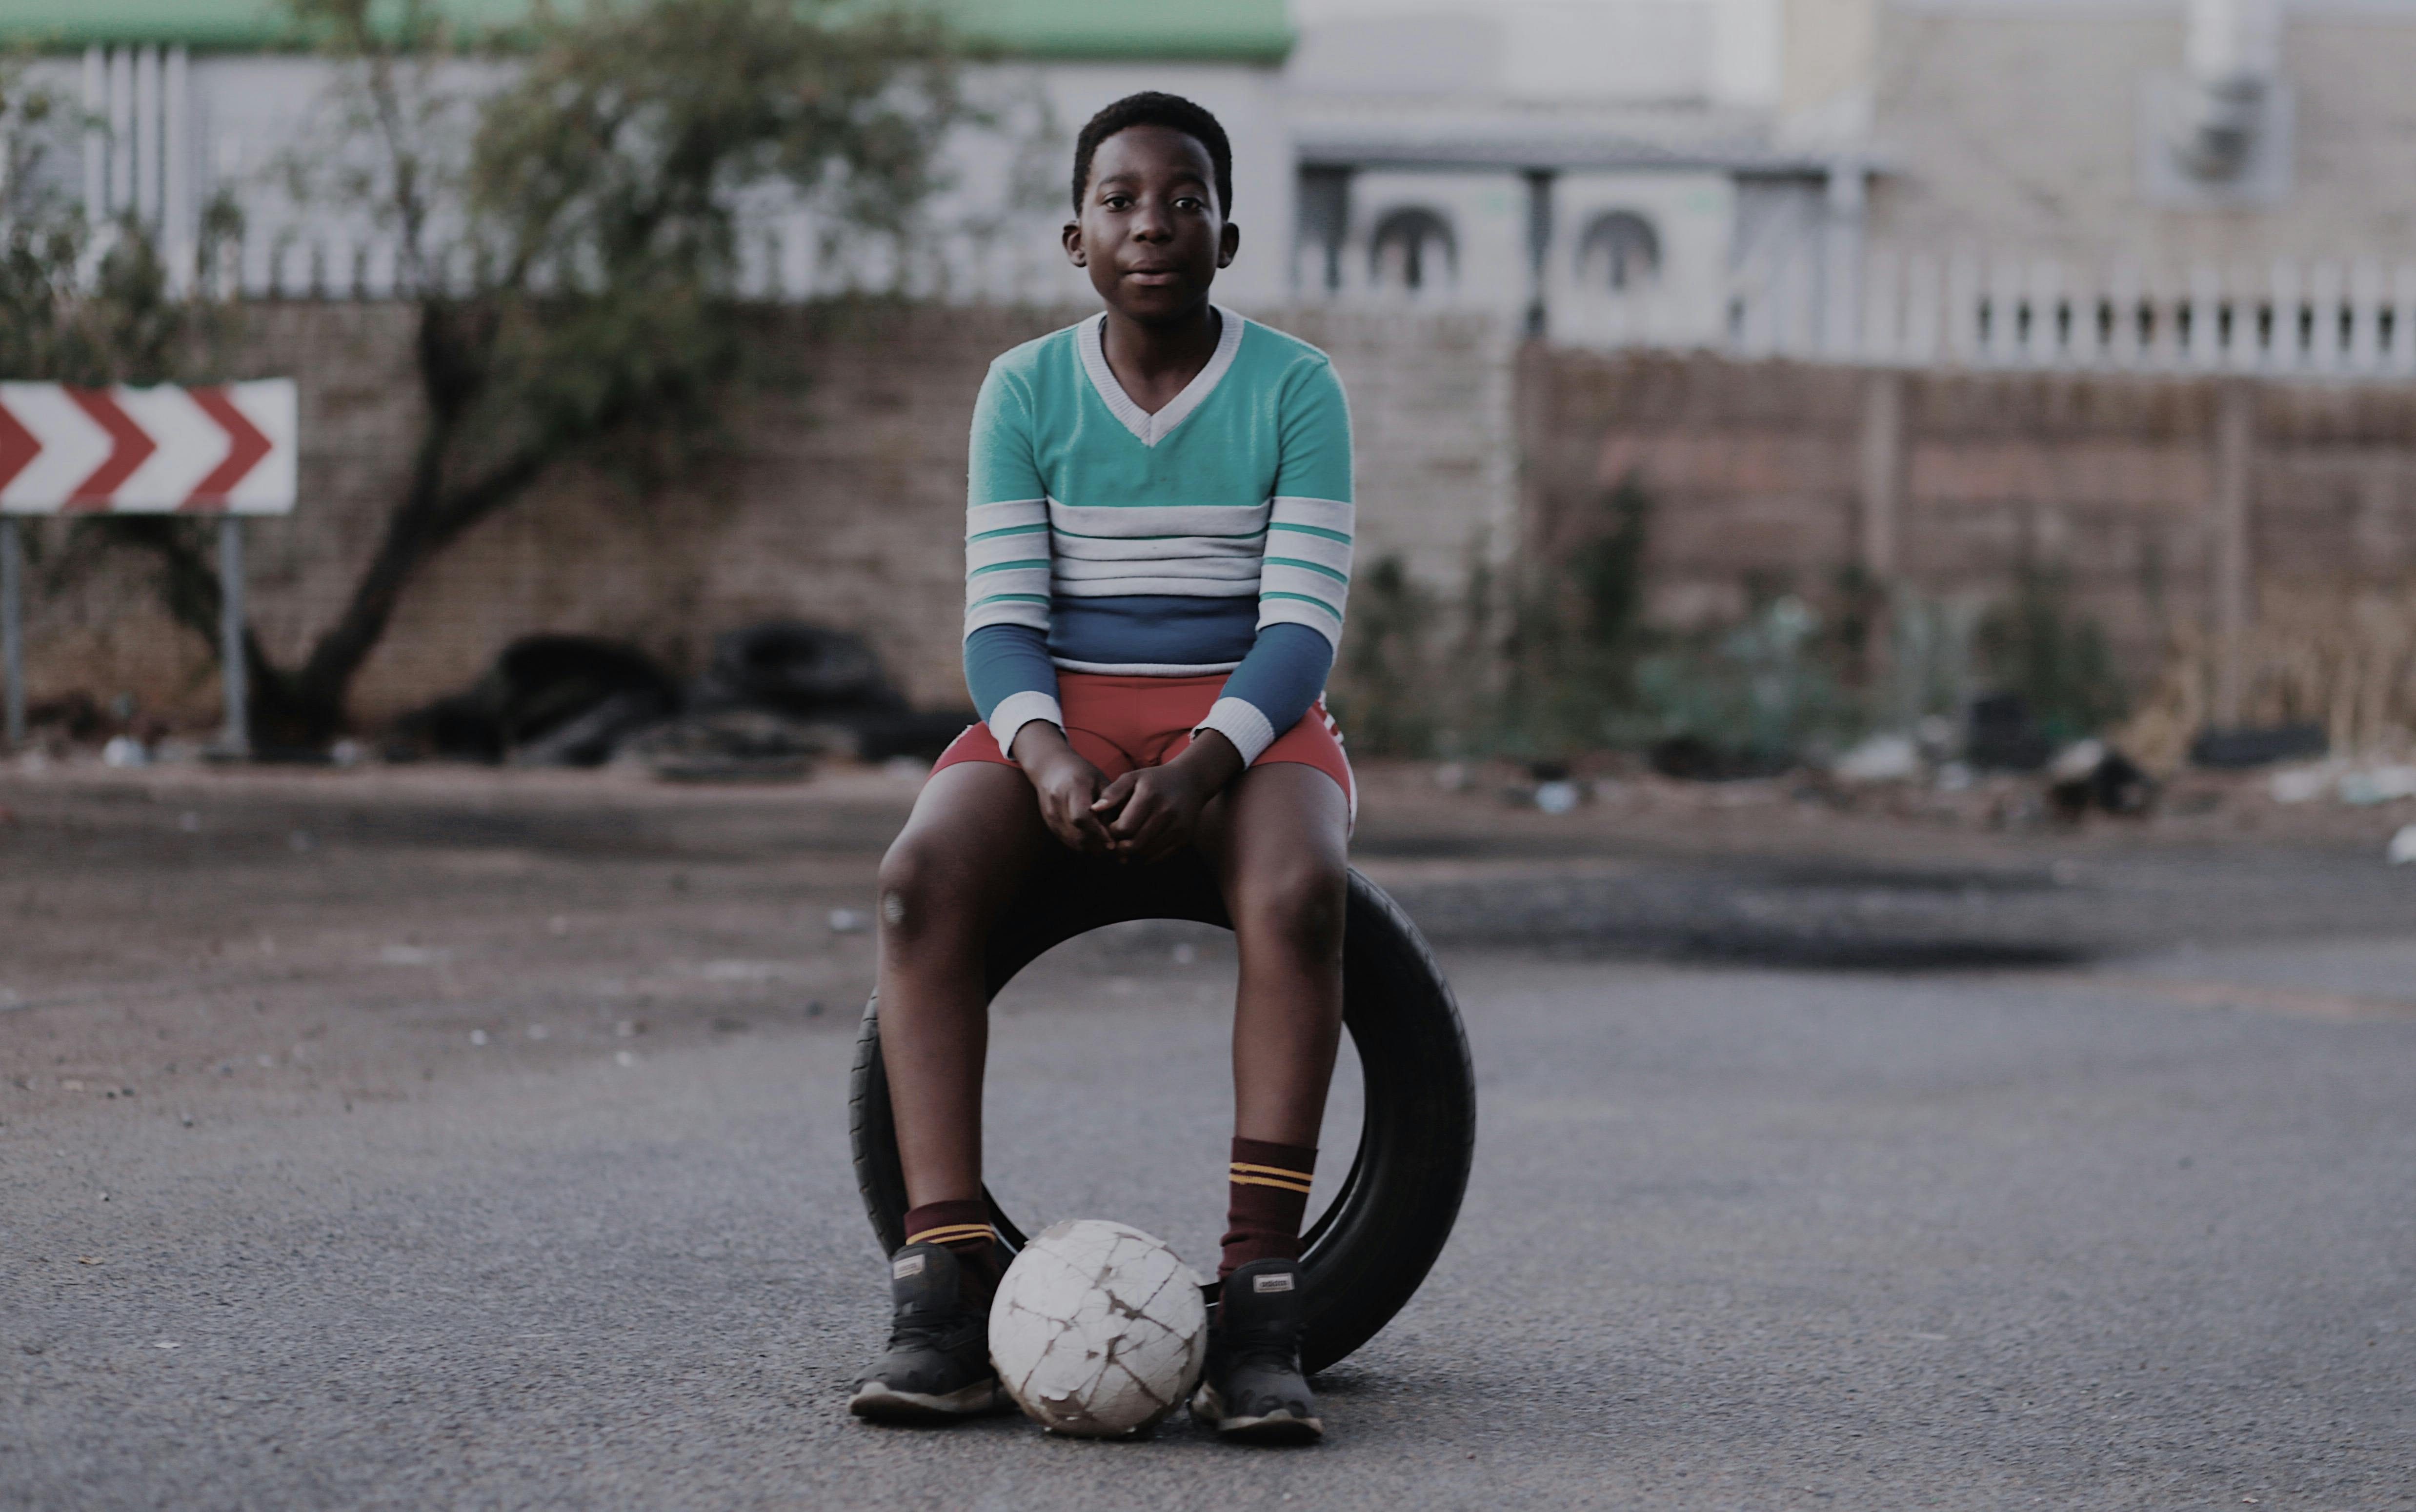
{"x":1158,"y":548}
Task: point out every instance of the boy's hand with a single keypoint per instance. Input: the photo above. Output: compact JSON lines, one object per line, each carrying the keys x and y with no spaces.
{"x":1069,"y":786}
{"x":1155,"y":811}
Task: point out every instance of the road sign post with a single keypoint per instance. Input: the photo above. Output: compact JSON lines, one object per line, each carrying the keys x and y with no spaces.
{"x":228,"y":450}
{"x":236,"y":741}
{"x":12,"y":628}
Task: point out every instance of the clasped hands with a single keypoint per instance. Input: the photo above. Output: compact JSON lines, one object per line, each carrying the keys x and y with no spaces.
{"x":1144,"y":816}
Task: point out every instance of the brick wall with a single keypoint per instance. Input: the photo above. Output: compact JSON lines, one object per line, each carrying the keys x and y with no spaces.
{"x":838,"y":501}
{"x":1946,"y":481}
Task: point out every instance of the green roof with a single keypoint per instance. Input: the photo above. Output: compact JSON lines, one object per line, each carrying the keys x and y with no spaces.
{"x":1249,"y":31}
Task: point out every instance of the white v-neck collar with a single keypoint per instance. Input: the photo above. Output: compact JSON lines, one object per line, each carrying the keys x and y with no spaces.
{"x":1152,"y":428}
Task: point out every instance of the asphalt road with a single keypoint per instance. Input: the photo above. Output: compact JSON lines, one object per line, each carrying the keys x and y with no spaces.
{"x":2134,"y":1232}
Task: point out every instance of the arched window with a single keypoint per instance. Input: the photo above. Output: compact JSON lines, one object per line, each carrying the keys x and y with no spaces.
{"x":1412,"y":248}
{"x":1619,"y":252}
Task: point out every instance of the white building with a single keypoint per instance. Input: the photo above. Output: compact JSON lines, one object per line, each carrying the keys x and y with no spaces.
{"x":1609,"y":160}
{"x":2159,"y":182}
{"x":1599,"y":172}
{"x":2193,"y":182}
{"x":196,"y":98}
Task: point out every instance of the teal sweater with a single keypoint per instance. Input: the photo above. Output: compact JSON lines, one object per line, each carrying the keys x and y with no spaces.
{"x":1213,"y":536}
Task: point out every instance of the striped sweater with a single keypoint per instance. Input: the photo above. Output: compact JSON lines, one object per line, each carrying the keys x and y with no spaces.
{"x":1213,"y":536}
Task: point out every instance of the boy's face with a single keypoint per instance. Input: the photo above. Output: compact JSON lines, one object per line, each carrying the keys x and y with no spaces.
{"x":1152,"y":235}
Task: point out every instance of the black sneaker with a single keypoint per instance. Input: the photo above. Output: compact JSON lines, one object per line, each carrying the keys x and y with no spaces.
{"x":937,"y":1368}
{"x":1252,"y":1391}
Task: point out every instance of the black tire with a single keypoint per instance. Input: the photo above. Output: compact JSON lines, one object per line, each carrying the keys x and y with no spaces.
{"x":1366,"y":1257}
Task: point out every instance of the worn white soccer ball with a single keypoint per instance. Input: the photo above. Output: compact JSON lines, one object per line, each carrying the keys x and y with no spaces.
{"x":1098,"y":1329}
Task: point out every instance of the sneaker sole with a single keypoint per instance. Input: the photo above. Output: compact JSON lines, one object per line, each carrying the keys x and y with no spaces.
{"x":877,"y":1403}
{"x":1274,"y":1429}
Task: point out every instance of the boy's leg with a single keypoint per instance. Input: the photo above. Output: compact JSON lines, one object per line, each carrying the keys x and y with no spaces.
{"x":1279,"y":840}
{"x":975,"y":833}
{"x":973,"y":836}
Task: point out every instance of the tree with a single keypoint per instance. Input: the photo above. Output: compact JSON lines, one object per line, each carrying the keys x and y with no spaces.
{"x":77,"y":304}
{"x":597,"y":208}
{"x":569,"y":237}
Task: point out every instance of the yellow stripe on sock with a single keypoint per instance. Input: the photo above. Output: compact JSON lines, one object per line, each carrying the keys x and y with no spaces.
{"x":953,"y":1233}
{"x":1241,"y":1180}
{"x":1240,"y":1166}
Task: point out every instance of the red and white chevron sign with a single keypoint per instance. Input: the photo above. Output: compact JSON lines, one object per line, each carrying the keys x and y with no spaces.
{"x":227,"y":450}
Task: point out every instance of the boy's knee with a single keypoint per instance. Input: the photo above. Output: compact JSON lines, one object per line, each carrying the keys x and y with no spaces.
{"x":1300,"y":908}
{"x":917,"y":889}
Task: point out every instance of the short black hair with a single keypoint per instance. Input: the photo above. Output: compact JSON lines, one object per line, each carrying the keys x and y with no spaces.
{"x":1151,"y":108}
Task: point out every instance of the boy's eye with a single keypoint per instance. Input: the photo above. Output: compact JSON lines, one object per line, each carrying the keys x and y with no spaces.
{"x":1188,"y":202}
{"x":1116,"y":202}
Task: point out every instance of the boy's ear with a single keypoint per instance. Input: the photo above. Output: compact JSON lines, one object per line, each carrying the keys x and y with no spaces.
{"x":1228,"y":243}
{"x":1072,"y":236}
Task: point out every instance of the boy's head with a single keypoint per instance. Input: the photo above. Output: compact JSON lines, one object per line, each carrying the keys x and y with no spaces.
{"x":1153,"y":179}
{"x":1170,"y":112}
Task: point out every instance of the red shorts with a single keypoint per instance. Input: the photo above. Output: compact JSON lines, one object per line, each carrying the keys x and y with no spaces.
{"x":1121,"y":724}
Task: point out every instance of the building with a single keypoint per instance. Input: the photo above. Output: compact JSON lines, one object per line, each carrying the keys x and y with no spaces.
{"x":2160,"y":183}
{"x":2195,"y":184}
{"x":1596,"y":174}
{"x":2208,"y":184}
{"x":197,"y":99}
{"x":1609,"y":165}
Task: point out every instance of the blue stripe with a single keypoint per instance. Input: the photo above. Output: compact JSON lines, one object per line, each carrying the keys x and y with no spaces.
{"x":1283,"y":674}
{"x":1002,"y":660}
{"x":1154,"y":629}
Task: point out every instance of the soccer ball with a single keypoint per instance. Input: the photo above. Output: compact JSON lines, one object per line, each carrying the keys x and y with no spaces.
{"x":1098,"y":1329}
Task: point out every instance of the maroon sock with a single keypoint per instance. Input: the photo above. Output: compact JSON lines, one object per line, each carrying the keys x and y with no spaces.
{"x":962,"y":1228}
{"x":1270,"y":1195}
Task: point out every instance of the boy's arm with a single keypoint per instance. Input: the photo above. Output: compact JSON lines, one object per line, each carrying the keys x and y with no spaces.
{"x":1008,"y":668}
{"x":1306,"y":577}
{"x":1012,"y":680}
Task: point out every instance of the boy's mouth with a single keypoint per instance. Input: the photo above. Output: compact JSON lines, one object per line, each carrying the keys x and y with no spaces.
{"x":1153,"y":276}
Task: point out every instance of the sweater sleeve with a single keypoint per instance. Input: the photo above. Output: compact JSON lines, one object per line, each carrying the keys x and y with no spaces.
{"x":1008,"y":668}
{"x":1306,"y":575}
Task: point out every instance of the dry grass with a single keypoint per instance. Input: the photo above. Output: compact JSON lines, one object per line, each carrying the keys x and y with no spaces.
{"x":2339,"y":655}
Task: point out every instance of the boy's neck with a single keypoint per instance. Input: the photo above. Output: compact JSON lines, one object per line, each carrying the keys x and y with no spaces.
{"x":1155,"y":361}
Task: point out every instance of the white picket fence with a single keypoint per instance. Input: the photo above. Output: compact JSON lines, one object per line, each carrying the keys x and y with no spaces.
{"x":1905,"y":310}
{"x":1922,"y":309}
{"x":783,"y":261}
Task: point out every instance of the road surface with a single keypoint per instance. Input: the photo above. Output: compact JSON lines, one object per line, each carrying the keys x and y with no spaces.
{"x":428,"y":1151}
